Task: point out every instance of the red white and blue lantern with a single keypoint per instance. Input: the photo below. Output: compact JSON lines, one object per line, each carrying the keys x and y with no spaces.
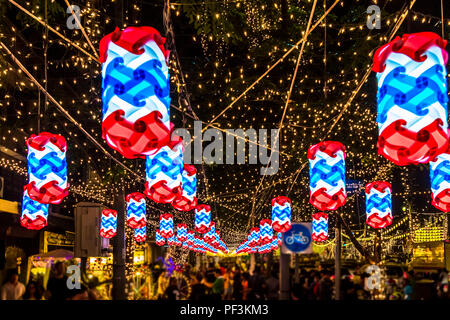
{"x":327,"y":175}
{"x":412,"y":98}
{"x":136,"y":210}
{"x":136,"y":91}
{"x":319,"y":227}
{"x":47,"y":168}
{"x":190,"y":237}
{"x":181,"y":232}
{"x":266,"y":231}
{"x":378,"y":204}
{"x":140,"y":234}
{"x":187,"y":200}
{"x":164,"y":173}
{"x":210,"y":236}
{"x":166,"y":225}
{"x":160,"y":241}
{"x":281,"y":214}
{"x":202,"y":218}
{"x":171,"y":241}
{"x":108,"y":223}
{"x":440,"y":182}
{"x":34,"y":214}
{"x":253,"y":237}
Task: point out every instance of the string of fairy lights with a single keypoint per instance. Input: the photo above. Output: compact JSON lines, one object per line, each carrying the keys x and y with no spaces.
{"x":236,"y":185}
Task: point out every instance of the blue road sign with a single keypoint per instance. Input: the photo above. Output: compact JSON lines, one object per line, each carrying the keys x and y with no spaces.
{"x":298,"y":238}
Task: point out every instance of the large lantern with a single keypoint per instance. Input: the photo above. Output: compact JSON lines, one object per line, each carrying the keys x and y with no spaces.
{"x":190,"y":238}
{"x":136,"y":210}
{"x":440,"y":182}
{"x":412,"y":98}
{"x":202,"y":218}
{"x":266,"y":231}
{"x":164,"y":173}
{"x":34,"y":214}
{"x":253,"y":237}
{"x":319,"y":227}
{"x":181,"y":232}
{"x":281,"y":214}
{"x":378,"y":204}
{"x":187,"y":200}
{"x":108,"y":223}
{"x":160,"y":241}
{"x":136,"y":91}
{"x":140,"y":234}
{"x":210,"y":236}
{"x":47,"y":168}
{"x":171,"y":241}
{"x":166,"y":225}
{"x":327,"y":175}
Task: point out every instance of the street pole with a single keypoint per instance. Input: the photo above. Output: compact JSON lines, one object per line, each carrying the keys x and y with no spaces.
{"x":337,"y":257}
{"x":119,"y":249}
{"x":285,"y":260}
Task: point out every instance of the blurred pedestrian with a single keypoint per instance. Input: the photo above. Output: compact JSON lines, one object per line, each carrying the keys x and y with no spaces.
{"x":57,"y":284}
{"x":13,"y":289}
{"x":33,"y":291}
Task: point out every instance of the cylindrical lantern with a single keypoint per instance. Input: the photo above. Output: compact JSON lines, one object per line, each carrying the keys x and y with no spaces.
{"x":47,"y":168}
{"x":319,"y":227}
{"x":210,"y":236}
{"x":160,"y":241}
{"x":187,"y":200}
{"x":164,"y":173}
{"x":136,"y":210}
{"x":108,"y":223}
{"x":378,"y":204}
{"x":266,"y":231}
{"x":440,"y":182}
{"x":166,"y":225}
{"x":34,"y":214}
{"x":202,"y":218}
{"x":171,"y":241}
{"x":281,"y":214}
{"x":190,"y":237}
{"x":279,"y":238}
{"x":253,"y":237}
{"x":136,"y":91}
{"x":181,"y":232}
{"x":140,"y":234}
{"x":412,"y":98}
{"x":327,"y":175}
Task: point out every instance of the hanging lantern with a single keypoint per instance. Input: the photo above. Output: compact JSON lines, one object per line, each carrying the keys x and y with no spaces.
{"x":187,"y":200}
{"x":253,"y":237}
{"x":160,"y":241}
{"x":47,"y":168}
{"x":327,"y":175}
{"x":190,"y":237}
{"x":378,"y":204}
{"x":440,"y":182}
{"x":140,"y":234}
{"x":279,"y":239}
{"x":178,"y":243}
{"x":185,"y":246}
{"x":171,"y":241}
{"x":412,"y":98}
{"x":319,"y":227}
{"x":136,"y":91}
{"x":202,"y":218}
{"x":181,"y":232}
{"x":210,"y":236}
{"x":281,"y":214}
{"x":164,"y":173}
{"x":34,"y":214}
{"x":266,"y":231}
{"x":136,"y":210}
{"x":108,"y":223}
{"x":166,"y":225}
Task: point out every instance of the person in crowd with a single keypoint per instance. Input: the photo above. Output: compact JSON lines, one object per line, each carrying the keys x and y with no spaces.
{"x":198,"y":289}
{"x":256,"y":285}
{"x":218,"y":287}
{"x":296,"y":291}
{"x":272,"y":286}
{"x":228,"y":284}
{"x":57,"y":284}
{"x":77,"y":294}
{"x":313,"y":287}
{"x":407,"y":290}
{"x":208,"y":281}
{"x":172,"y":292}
{"x":33,"y":291}
{"x":245,"y":286}
{"x":348,"y":289}
{"x":325,"y":289}
{"x":13,"y":289}
{"x":237,"y":285}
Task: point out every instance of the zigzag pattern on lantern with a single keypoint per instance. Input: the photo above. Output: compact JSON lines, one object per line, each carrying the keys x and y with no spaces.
{"x":320,"y":227}
{"x":136,"y":91}
{"x":378,"y":204}
{"x":166,"y":225}
{"x":440,"y":182}
{"x":210,"y":236}
{"x":47,"y":168}
{"x":253,"y":237}
{"x":108,"y":223}
{"x":187,"y":200}
{"x":412,"y":98}
{"x":182,"y":232}
{"x":160,"y":241}
{"x":164,"y":174}
{"x":202,"y":218}
{"x":281,"y":214}
{"x":34,"y":214}
{"x":327,"y":175}
{"x":190,"y":237}
{"x":136,"y":210}
{"x":140,"y":234}
{"x":266,"y":231}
